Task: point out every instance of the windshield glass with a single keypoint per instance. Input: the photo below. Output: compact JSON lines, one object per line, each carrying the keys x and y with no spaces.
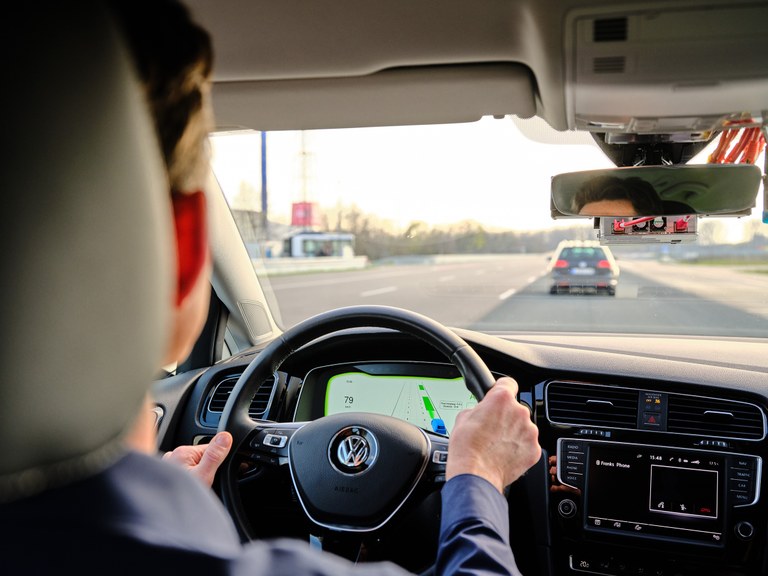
{"x":454,"y":222}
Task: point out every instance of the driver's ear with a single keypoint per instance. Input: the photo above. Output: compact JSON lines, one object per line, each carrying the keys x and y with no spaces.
{"x":190,"y":308}
{"x":189,"y":214}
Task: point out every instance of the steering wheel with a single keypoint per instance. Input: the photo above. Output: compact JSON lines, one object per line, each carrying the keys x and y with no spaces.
{"x":351,"y":471}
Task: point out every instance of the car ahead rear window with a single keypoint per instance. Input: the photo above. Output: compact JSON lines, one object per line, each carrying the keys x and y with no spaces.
{"x":583,"y":254}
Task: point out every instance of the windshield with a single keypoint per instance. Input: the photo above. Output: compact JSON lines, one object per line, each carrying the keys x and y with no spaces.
{"x":454,"y":222}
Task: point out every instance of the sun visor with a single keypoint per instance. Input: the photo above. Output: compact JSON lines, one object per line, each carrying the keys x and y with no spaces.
{"x":400,"y":96}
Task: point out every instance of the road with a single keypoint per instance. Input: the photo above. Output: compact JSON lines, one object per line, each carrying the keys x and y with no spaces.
{"x":511,"y":293}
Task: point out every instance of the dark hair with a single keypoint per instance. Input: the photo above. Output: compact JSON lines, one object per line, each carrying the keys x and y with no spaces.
{"x":173,"y":56}
{"x":640,"y":193}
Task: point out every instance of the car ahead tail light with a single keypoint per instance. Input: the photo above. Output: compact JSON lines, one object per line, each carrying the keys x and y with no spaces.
{"x":561,"y":264}
{"x":603,"y":264}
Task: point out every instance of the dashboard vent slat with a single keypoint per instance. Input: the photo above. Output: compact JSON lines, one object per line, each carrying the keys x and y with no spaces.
{"x":609,"y":65}
{"x":259,"y":404}
{"x":714,"y":417}
{"x":221,"y":394}
{"x":591,"y":405}
{"x":260,"y":401}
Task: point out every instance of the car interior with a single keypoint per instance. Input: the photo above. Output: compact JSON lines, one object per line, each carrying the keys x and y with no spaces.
{"x":653,"y":432}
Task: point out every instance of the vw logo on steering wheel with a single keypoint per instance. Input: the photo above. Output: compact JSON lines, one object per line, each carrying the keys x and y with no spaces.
{"x":353,"y":450}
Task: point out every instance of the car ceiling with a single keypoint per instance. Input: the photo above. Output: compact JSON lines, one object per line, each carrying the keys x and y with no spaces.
{"x":586,"y":64}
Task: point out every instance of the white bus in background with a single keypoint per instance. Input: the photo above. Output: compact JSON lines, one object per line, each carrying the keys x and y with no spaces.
{"x":319,"y":244}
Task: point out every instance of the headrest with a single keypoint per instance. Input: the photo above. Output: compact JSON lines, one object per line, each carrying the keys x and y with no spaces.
{"x":86,"y":260}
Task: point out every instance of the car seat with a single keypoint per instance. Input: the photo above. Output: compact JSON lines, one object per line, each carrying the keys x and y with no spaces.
{"x":86,"y":259}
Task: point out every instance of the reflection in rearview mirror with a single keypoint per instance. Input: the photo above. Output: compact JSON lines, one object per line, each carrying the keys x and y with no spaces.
{"x":657,"y":190}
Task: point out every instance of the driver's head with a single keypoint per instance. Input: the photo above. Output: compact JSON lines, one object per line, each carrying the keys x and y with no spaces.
{"x":612,"y":196}
{"x":174,"y":59}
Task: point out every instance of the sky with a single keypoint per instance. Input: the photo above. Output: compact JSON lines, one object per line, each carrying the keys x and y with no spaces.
{"x":486,"y":171}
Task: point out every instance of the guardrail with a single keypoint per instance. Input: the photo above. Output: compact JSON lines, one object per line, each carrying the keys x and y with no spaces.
{"x":279,"y":266}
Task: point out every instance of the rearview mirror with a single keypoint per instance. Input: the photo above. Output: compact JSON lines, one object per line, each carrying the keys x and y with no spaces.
{"x":725,"y":189}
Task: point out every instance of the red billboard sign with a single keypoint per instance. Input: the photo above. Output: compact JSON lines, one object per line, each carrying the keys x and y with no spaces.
{"x":303,"y":214}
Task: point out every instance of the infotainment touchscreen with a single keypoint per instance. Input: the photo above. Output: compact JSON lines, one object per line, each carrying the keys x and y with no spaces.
{"x":653,"y":491}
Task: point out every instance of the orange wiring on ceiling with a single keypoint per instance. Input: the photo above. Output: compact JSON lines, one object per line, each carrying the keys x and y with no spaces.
{"x":739,"y":146}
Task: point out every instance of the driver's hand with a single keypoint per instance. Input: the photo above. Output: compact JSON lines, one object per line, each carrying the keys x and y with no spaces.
{"x":496,"y":439}
{"x":202,"y":460}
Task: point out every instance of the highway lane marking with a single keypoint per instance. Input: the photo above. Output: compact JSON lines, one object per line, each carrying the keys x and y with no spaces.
{"x":368,"y":275}
{"x":336,"y":280}
{"x":378,"y":291}
{"x":512,"y":291}
{"x":507,"y":294}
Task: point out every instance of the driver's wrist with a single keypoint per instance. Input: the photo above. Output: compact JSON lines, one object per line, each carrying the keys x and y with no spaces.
{"x":479,"y":471}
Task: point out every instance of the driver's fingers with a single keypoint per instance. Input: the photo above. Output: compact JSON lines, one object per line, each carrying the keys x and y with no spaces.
{"x":506,"y":382}
{"x":214,"y":455}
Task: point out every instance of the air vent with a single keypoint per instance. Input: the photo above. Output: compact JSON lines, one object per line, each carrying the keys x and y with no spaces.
{"x":260,"y":401}
{"x":591,"y":405}
{"x":610,"y":30}
{"x":714,"y":417}
{"x":608,"y":65}
{"x":221,"y":393}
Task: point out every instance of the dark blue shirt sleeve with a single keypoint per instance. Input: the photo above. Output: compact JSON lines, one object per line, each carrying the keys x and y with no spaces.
{"x":474,"y":530}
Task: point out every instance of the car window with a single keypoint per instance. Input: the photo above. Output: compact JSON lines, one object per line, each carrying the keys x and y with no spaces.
{"x":583,"y":253}
{"x":454,"y":221}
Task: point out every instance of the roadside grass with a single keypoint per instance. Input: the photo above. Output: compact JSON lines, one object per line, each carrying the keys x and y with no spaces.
{"x":748,"y":265}
{"x":727,"y":261}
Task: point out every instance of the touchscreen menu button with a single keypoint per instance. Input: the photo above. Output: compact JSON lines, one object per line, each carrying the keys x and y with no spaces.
{"x":741,"y":481}
{"x":743,"y":462}
{"x":572,"y":460}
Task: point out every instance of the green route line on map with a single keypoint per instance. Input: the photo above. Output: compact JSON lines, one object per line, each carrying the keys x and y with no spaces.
{"x":428,"y":403}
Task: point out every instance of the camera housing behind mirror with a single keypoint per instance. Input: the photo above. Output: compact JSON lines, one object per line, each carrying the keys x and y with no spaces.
{"x":649,"y":229}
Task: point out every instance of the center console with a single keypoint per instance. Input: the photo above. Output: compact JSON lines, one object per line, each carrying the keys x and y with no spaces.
{"x":693,"y":510}
{"x":662,"y":480}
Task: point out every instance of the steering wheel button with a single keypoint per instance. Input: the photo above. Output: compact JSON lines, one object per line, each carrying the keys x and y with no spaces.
{"x":264,"y":458}
{"x":275,"y":441}
{"x":440,"y":457}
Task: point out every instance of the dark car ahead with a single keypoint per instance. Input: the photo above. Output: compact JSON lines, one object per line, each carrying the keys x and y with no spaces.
{"x":583,"y":266}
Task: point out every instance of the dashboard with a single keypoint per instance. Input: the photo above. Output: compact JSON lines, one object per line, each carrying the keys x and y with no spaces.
{"x":653,"y":453}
